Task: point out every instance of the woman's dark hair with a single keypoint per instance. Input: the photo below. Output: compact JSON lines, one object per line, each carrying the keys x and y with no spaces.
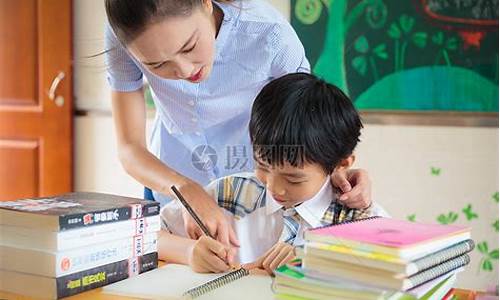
{"x":129,"y":18}
{"x":299,"y":118}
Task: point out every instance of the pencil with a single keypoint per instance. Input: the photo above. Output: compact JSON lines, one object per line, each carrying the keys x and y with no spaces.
{"x":191,"y":211}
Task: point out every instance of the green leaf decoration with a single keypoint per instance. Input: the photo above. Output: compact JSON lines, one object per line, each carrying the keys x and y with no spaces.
{"x":442,"y":219}
{"x":394,"y":31}
{"x":452,"y":44}
{"x":360,"y":64}
{"x":380,"y":51}
{"x":308,"y":11}
{"x":495,"y":225}
{"x":435,"y":171}
{"x":452,"y":217}
{"x":438,"y":38}
{"x":406,"y":23}
{"x":494,"y":254}
{"x":495,"y":197}
{"x":469,"y":214}
{"x":487,"y":265}
{"x":411,"y":218}
{"x":483,"y":247}
{"x":420,"y":39}
{"x":361,"y":45}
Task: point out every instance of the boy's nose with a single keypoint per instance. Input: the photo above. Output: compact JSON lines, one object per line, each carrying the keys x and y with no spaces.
{"x":275,"y":187}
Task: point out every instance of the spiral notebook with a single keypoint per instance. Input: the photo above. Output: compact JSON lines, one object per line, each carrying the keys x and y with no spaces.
{"x":399,"y":238}
{"x":174,"y":281}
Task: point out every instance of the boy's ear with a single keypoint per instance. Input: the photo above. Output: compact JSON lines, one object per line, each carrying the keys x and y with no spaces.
{"x":346,"y":163}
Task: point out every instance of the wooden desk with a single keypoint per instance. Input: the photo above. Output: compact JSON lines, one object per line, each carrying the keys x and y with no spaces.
{"x":95,"y":294}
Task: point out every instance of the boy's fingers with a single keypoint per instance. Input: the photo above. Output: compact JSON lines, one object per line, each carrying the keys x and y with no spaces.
{"x":269,"y":259}
{"x":280,"y":257}
{"x":258,"y":262}
{"x":258,"y":271}
{"x":217,"y":248}
{"x":252,"y":265}
{"x":288,"y":258}
{"x":216,"y":264}
{"x":216,"y":255}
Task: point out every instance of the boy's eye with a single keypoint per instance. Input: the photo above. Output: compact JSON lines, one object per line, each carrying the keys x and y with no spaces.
{"x":295,"y":182}
{"x":159,"y":65}
{"x":189,"y":50}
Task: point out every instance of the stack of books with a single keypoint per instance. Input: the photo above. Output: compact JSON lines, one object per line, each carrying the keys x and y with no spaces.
{"x":376,"y":258}
{"x":60,"y":246}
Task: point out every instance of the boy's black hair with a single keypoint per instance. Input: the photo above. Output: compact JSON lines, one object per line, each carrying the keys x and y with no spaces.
{"x":300,"y":118}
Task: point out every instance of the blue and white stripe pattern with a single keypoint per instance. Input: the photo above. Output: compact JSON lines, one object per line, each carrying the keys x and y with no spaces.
{"x":291,"y":221}
{"x":201,"y":130}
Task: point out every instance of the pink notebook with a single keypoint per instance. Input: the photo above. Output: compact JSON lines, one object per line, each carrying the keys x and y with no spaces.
{"x":391,"y":236}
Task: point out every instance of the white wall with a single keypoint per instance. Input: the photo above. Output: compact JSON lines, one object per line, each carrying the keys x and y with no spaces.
{"x":398,"y":158}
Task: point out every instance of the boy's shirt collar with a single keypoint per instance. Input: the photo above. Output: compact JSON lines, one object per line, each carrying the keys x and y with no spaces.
{"x":312,"y":210}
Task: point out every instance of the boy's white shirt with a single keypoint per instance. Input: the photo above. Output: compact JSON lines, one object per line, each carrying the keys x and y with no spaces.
{"x":261,"y":229}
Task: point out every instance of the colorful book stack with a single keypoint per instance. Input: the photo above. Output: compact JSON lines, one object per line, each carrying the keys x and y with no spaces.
{"x":376,"y":258}
{"x":63,"y":245}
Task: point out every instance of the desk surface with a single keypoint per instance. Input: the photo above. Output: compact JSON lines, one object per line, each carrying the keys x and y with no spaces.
{"x":95,"y":294}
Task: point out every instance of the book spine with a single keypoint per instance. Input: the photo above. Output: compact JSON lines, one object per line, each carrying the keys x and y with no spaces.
{"x":103,"y":275}
{"x":79,"y":259}
{"x":87,"y":219}
{"x":437,"y":271}
{"x":98,"y":234}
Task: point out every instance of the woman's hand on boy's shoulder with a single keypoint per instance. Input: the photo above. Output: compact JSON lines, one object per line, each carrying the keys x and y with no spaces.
{"x":355,"y":186}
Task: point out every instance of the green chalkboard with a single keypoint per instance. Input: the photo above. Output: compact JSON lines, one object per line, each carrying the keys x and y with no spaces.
{"x":417,"y":55}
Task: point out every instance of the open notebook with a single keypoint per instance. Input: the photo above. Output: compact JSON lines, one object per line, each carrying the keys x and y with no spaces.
{"x":172,"y":281}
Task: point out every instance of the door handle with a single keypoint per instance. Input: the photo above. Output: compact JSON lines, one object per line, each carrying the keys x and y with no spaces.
{"x":59,"y":100}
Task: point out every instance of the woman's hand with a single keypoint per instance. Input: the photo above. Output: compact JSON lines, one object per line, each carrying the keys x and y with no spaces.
{"x":208,"y":255}
{"x":278,"y":255}
{"x":356,"y":188}
{"x":211,"y":215}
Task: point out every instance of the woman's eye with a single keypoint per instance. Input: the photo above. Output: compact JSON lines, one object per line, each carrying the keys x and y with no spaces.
{"x":189,"y":50}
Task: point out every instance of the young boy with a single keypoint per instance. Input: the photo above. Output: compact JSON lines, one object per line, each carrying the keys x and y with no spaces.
{"x":301,"y":129}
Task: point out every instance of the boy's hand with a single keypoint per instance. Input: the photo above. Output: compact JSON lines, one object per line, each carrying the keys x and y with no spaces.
{"x":208,"y":211}
{"x":278,"y":255}
{"x":356,"y":187}
{"x":208,"y":255}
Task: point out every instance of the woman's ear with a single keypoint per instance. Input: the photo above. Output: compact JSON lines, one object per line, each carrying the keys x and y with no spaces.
{"x":207,"y":6}
{"x":345,"y":163}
